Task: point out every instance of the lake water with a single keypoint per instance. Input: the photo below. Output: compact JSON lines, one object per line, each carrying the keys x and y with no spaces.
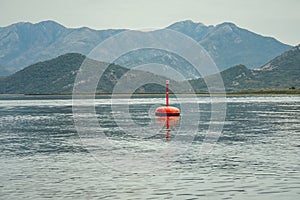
{"x":43,"y":156}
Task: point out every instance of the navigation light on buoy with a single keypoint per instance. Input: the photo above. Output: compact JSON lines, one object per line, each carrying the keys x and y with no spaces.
{"x":167,"y":110}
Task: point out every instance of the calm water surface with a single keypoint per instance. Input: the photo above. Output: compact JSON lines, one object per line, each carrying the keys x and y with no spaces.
{"x":42,"y":155}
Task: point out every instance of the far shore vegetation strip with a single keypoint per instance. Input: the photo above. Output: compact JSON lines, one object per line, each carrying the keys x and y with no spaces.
{"x":243,"y":92}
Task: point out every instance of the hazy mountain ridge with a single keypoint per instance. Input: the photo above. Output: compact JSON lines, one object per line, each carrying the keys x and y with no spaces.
{"x":22,"y":44}
{"x":230,"y":45}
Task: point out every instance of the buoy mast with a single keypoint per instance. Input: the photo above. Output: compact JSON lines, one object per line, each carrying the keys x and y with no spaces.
{"x":167,"y":92}
{"x":167,"y":110}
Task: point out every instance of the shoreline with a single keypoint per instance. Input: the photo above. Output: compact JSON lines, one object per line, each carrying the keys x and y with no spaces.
{"x":238,"y":93}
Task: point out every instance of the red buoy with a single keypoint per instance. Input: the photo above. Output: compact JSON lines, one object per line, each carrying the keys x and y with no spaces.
{"x":167,"y":110}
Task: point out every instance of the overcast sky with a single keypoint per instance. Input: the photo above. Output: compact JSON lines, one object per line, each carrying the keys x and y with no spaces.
{"x":276,"y":18}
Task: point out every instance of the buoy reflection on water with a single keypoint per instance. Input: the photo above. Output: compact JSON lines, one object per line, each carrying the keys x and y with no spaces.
{"x":167,"y":123}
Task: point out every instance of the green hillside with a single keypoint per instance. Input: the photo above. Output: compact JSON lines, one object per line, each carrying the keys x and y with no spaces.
{"x":281,"y":73}
{"x":57,"y":76}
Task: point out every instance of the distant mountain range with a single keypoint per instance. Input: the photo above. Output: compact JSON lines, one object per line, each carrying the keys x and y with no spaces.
{"x":230,"y":45}
{"x":23,"y":44}
{"x":57,"y":76}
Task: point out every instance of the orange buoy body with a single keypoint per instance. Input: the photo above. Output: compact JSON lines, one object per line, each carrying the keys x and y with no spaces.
{"x":167,"y":110}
